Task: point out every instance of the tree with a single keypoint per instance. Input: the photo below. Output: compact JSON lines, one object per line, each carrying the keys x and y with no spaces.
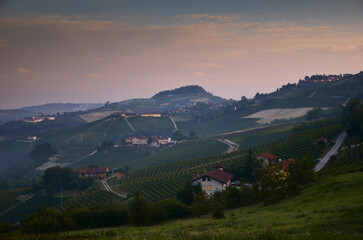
{"x":174,"y":209}
{"x":186,"y":194}
{"x":201,"y":204}
{"x":315,"y":113}
{"x":249,"y":166}
{"x":45,"y":220}
{"x":177,"y":135}
{"x":56,"y":177}
{"x":352,"y":118}
{"x":140,"y":211}
{"x":217,"y":205}
{"x":301,"y":172}
{"x":40,"y":154}
{"x":272,"y":184}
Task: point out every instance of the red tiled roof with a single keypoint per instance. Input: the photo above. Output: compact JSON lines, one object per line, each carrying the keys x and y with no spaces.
{"x":91,"y":170}
{"x":217,"y":165}
{"x":268,"y":156}
{"x":287,"y":163}
{"x":218,"y":175}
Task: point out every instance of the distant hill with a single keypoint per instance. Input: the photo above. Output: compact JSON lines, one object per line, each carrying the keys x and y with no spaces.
{"x":192,"y":89}
{"x":46,"y":109}
{"x":164,"y":101}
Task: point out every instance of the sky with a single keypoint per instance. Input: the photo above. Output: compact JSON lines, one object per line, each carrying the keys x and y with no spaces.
{"x":111,"y":50}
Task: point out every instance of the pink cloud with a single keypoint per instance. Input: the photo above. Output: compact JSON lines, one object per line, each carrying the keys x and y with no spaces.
{"x":198,"y":74}
{"x":3,"y":42}
{"x":23,"y":70}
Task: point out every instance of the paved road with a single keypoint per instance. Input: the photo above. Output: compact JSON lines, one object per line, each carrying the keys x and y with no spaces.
{"x":232,"y":146}
{"x":334,"y":150}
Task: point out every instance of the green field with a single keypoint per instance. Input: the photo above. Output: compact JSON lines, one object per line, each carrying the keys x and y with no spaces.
{"x":262,"y":137}
{"x":143,"y":157}
{"x":152,"y":126}
{"x":329,"y":209}
{"x":115,"y":158}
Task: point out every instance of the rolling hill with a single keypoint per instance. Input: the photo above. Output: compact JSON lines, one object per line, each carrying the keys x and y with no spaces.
{"x":46,"y":109}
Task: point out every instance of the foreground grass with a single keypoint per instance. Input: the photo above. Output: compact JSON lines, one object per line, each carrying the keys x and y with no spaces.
{"x":329,"y":209}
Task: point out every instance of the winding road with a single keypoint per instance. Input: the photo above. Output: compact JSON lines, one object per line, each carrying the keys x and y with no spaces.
{"x":334,"y":150}
{"x":232,"y":146}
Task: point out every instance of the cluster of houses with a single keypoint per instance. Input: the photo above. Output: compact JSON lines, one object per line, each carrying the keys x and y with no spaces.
{"x":38,"y":119}
{"x":154,"y":141}
{"x":268,"y":159}
{"x":97,"y":173}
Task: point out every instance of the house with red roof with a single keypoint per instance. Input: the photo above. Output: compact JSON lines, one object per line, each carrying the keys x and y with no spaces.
{"x":96,"y":173}
{"x":215,"y":180}
{"x":267,"y":159}
{"x":286,"y":163}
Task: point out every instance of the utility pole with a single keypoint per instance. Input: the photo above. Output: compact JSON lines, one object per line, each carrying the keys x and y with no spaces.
{"x":62,"y":198}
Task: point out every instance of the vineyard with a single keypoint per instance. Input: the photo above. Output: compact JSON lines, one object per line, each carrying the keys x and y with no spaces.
{"x":19,"y":209}
{"x":348,"y":160}
{"x":164,"y":181}
{"x":93,"y":196}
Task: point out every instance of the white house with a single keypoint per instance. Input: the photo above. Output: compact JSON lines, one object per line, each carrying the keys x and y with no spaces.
{"x":267,"y":159}
{"x":215,"y":180}
{"x":139,"y":141}
{"x":32,"y":138}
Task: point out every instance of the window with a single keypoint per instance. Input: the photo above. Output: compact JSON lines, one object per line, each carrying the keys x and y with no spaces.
{"x":209,"y":187}
{"x":203,"y":188}
{"x":208,"y":179}
{"x":203,"y":179}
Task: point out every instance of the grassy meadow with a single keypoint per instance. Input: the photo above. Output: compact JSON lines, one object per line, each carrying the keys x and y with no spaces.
{"x":331,"y":208}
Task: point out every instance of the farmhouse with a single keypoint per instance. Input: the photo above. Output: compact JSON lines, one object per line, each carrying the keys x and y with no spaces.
{"x":31,"y":138}
{"x":34,"y":119}
{"x":96,"y":173}
{"x":267,"y":159}
{"x":215,"y":180}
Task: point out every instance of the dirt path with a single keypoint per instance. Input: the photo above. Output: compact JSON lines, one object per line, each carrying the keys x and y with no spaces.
{"x":175,"y":126}
{"x":104,"y":182}
{"x":132,"y":128}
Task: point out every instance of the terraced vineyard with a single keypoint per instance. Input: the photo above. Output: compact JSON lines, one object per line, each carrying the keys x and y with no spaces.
{"x":93,"y":196}
{"x":21,"y":208}
{"x":164,"y":181}
{"x":346,"y":161}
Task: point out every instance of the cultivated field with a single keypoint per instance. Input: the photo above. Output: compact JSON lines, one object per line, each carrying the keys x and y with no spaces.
{"x":266,"y":116}
{"x":91,"y":117}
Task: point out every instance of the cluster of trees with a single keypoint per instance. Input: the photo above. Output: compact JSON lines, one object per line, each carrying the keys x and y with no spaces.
{"x":315,"y":113}
{"x":274,"y":184}
{"x":57,"y":178}
{"x":199,"y":203}
{"x":178,"y":135}
{"x":40,"y":154}
{"x":352,"y":118}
